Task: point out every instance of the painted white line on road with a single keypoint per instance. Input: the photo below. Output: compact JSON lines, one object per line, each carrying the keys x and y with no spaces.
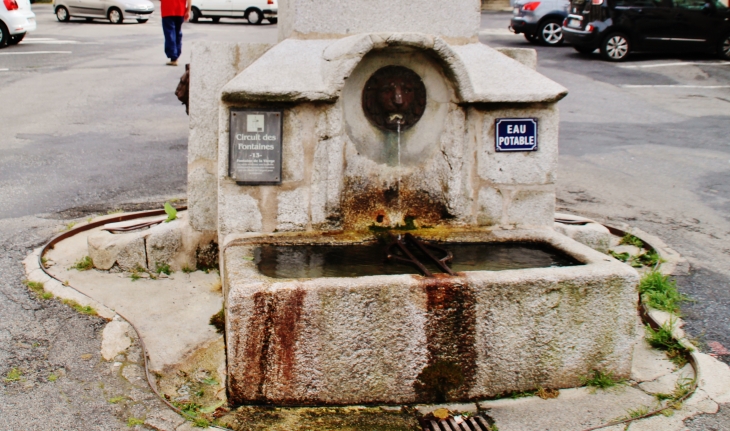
{"x":35,"y":52}
{"x":494,"y":31}
{"x":4,"y":70}
{"x":675,"y":86}
{"x":688,"y":63}
{"x":50,"y":42}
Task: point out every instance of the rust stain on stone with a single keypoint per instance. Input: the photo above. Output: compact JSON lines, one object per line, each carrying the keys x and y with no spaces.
{"x":451,"y":326}
{"x":364,"y":205}
{"x":270,"y":346}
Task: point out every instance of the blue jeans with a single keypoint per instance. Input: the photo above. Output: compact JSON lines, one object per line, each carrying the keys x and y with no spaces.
{"x":172,"y":27}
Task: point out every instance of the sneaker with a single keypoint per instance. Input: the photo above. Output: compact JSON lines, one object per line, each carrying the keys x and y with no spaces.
{"x":172,"y":63}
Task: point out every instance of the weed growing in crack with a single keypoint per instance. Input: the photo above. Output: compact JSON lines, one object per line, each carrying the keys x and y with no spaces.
{"x":187,"y":270}
{"x":163,"y":268}
{"x":637,"y":412}
{"x":14,"y":375}
{"x":651,"y":258}
{"x":83,"y":264}
{"x":629,"y":239}
{"x":132,"y":422}
{"x":659,"y":292}
{"x":218,"y":320}
{"x":116,"y":211}
{"x":600,"y":380}
{"x":546,"y":394}
{"x":83,"y":309}
{"x":662,"y":339}
{"x":171,"y":212}
{"x":69,"y":225}
{"x":46,"y":295}
{"x":35,"y":286}
{"x":53,"y":377}
{"x":623,"y":257}
{"x":116,"y":400}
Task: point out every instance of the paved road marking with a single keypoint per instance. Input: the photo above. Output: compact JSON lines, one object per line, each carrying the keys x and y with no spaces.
{"x":495,"y":31}
{"x":4,"y":70}
{"x":675,"y":86}
{"x":688,"y":63}
{"x":35,"y":52}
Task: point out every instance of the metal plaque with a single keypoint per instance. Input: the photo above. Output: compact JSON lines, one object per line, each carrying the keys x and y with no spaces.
{"x":255,"y":147}
{"x":515,"y":134}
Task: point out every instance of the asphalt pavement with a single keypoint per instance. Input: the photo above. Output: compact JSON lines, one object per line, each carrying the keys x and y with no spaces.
{"x":90,"y":123}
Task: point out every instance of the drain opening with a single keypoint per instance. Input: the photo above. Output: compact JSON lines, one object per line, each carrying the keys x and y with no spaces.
{"x":479,"y":422}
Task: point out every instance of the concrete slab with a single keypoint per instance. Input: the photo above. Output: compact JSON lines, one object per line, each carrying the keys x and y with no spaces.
{"x":170,"y":314}
{"x":575,"y":409}
{"x":649,"y":364}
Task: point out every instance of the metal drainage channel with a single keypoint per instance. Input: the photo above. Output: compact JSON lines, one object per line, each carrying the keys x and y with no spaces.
{"x":472,"y":423}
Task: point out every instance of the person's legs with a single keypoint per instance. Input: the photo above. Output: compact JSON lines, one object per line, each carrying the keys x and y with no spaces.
{"x":169,"y":29}
{"x":178,"y":35}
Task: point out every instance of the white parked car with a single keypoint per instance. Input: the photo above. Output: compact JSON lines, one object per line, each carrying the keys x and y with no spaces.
{"x":113,"y":10}
{"x":254,"y":11}
{"x":16,"y":19}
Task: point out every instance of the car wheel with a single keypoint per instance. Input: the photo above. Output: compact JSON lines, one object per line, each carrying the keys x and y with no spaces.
{"x":141,"y":21}
{"x":530,"y":38}
{"x":585,"y":50}
{"x":4,"y":35}
{"x":273,"y":20}
{"x":62,"y":14}
{"x":15,"y":39}
{"x":216,"y":19}
{"x":550,"y":33}
{"x":723,"y":48}
{"x":254,"y":16}
{"x":195,"y":14}
{"x":115,"y":16}
{"x":615,"y":47}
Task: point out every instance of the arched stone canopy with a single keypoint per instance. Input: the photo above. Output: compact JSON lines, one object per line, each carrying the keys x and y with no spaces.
{"x":298,"y":70}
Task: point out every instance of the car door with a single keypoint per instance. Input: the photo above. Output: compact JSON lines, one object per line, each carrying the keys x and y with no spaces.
{"x":92,"y":7}
{"x":696,"y":21}
{"x":216,"y":7}
{"x":652,"y":22}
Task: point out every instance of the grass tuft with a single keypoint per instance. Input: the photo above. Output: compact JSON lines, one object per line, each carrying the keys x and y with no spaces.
{"x":629,"y":239}
{"x":116,"y":400}
{"x":83,"y":309}
{"x":662,"y":339}
{"x":187,"y":270}
{"x":659,"y":292}
{"x":83,"y":264}
{"x":219,"y":321}
{"x":35,"y":286}
{"x":163,"y":268}
{"x":600,"y":380}
{"x":132,"y":422}
{"x":46,"y":295}
{"x":14,"y":375}
{"x":623,"y":257}
{"x":53,"y":377}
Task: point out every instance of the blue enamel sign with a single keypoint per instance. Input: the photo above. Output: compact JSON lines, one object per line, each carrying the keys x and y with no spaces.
{"x":516,"y":134}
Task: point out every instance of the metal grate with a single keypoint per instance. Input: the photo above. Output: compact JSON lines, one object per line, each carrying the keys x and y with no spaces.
{"x":473,"y":423}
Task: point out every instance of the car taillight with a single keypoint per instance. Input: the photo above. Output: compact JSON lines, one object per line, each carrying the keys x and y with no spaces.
{"x":589,"y":27}
{"x":565,"y":22}
{"x":531,"y":6}
{"x":10,"y":4}
{"x":596,"y":2}
{"x":272,"y":1}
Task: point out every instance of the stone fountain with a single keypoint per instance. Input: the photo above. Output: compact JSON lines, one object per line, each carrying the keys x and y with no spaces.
{"x":378,"y":116}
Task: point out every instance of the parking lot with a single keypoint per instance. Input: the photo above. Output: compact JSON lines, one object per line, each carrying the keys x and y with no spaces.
{"x":90,"y":120}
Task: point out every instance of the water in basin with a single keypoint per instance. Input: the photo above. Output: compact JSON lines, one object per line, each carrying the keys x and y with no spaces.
{"x":312,"y":261}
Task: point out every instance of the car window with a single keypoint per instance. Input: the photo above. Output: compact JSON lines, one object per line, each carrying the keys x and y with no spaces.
{"x":690,"y":4}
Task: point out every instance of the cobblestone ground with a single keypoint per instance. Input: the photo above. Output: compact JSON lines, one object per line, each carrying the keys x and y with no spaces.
{"x":52,"y":375}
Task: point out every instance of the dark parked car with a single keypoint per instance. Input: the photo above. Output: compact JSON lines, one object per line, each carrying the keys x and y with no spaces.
{"x":620,"y":27}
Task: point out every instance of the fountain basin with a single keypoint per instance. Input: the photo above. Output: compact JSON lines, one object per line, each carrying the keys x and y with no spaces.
{"x":393,"y":338}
